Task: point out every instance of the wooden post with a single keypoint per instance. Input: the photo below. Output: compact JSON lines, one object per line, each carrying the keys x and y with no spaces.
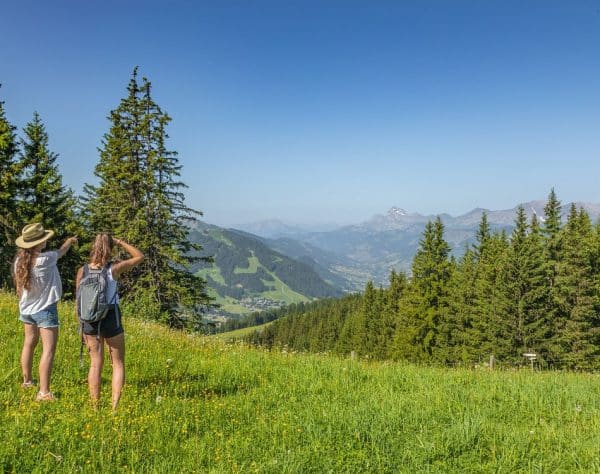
{"x":531,"y":356}
{"x":492,"y":361}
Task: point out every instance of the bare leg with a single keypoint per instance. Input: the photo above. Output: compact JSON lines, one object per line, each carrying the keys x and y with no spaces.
{"x":32,"y":336}
{"x":116,"y":346}
{"x":49,"y":340}
{"x":96,"y":350}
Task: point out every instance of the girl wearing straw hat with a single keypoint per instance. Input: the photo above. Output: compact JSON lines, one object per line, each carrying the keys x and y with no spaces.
{"x":39,"y":289}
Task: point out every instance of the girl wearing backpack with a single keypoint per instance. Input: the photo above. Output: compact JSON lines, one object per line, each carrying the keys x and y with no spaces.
{"x":109,"y":329}
{"x":39,"y":289}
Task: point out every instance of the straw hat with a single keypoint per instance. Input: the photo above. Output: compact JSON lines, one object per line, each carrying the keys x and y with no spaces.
{"x":32,"y":235}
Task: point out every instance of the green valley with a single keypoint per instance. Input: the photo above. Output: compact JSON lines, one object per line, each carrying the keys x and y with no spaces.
{"x":248,"y":276}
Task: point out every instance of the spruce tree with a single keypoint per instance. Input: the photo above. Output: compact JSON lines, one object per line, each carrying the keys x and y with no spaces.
{"x":364,"y":321}
{"x":551,"y":231}
{"x":43,"y":197}
{"x":465,"y":342}
{"x":370,"y":330}
{"x":489,"y":311}
{"x":482,"y":237}
{"x":8,"y":190}
{"x":538,"y":324}
{"x":139,"y":197}
{"x":418,"y":333}
{"x":394,"y":298}
{"x":526,"y":290}
{"x":517,"y":283}
{"x":552,"y":225}
{"x":577,"y":331}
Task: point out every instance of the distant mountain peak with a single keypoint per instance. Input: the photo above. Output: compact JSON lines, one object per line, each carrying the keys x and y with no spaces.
{"x":396,"y":212}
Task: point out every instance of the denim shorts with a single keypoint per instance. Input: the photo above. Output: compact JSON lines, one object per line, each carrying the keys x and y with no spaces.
{"x":46,"y":318}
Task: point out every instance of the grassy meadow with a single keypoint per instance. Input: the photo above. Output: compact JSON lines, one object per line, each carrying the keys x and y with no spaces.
{"x":197,"y":404}
{"x":232,"y":336}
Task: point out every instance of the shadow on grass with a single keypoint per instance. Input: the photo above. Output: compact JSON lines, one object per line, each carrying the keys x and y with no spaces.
{"x":192,"y":386}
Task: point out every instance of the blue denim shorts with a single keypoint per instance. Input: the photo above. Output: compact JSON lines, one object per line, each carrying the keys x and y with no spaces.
{"x":46,"y":318}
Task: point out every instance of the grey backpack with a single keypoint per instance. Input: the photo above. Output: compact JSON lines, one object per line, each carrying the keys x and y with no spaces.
{"x":92,"y":301}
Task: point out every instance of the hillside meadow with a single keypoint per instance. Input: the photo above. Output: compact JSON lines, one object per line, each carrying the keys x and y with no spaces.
{"x":197,"y":404}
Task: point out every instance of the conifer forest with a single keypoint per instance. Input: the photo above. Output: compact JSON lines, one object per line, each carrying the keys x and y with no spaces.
{"x":535,"y":291}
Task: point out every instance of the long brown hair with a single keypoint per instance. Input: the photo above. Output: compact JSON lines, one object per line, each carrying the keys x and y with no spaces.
{"x":22,"y":268}
{"x":102,"y":249}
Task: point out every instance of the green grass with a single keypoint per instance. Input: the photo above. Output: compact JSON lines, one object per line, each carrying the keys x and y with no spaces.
{"x":231,"y":305}
{"x":228,"y":408}
{"x":241,"y":333}
{"x":227,"y":303}
{"x":253,"y":264}
{"x":280,"y":291}
{"x":214,"y":272}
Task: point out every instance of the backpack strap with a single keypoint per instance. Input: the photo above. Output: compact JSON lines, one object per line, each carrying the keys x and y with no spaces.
{"x":82,"y":344}
{"x":86,"y":272}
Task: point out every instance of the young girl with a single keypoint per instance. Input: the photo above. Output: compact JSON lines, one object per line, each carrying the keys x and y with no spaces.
{"x":39,"y":289}
{"x":111,"y":329}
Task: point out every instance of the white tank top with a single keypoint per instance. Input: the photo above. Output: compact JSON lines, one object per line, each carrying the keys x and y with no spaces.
{"x":112,"y":289}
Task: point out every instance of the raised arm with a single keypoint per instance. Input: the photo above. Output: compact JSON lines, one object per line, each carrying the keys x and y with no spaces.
{"x":66,"y":246}
{"x":136,"y":258}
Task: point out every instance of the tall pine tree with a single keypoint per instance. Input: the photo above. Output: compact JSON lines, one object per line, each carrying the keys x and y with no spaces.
{"x":465,"y":343}
{"x":488,"y":314}
{"x":139,"y":197}
{"x":420,"y":334}
{"x":43,"y":197}
{"x":576,"y":295}
{"x":527,"y":291}
{"x":553,"y":254}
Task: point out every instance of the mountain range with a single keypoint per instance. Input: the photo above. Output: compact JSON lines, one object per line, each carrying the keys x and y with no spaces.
{"x":284,"y":264}
{"x":371,"y":249}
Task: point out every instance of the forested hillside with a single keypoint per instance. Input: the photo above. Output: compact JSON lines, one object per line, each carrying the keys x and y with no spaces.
{"x":534,"y":291}
{"x":261,"y":317}
{"x":245,"y":268}
{"x":336,"y":269}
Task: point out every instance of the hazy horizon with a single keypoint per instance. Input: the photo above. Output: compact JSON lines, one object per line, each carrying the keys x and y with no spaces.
{"x":324,"y":224}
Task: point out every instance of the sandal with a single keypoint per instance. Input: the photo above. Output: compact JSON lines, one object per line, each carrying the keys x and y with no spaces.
{"x":29,"y":384}
{"x":45,"y":397}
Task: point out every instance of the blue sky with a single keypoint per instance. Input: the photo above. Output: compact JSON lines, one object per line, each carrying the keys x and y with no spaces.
{"x":319,"y":111}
